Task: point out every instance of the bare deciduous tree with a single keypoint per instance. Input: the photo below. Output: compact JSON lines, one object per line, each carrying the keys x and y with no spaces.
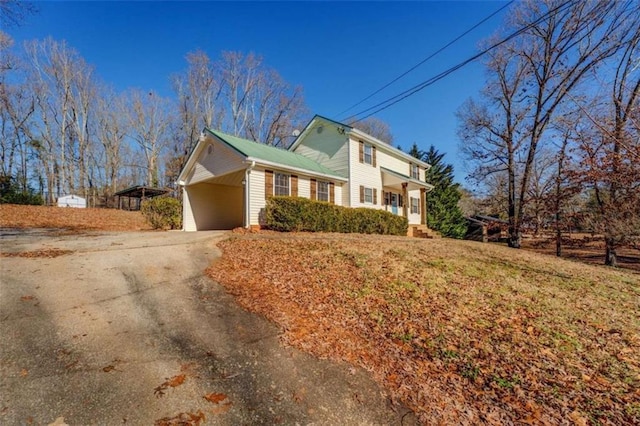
{"x":198,"y":91}
{"x":375,"y":127}
{"x":556,"y":54}
{"x":610,"y":151}
{"x":149,"y":123}
{"x":493,"y":132}
{"x":112,"y":129}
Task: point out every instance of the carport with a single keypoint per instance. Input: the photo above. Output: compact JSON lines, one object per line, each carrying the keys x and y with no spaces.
{"x":216,"y":203}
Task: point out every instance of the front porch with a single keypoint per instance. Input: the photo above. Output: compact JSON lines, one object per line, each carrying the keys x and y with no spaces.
{"x":405,"y":196}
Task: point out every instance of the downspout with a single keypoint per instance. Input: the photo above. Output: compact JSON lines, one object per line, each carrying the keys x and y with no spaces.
{"x":247,"y":207}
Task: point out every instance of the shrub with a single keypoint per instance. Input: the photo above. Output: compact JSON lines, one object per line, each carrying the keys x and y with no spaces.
{"x":301,"y":214}
{"x":163,"y":212}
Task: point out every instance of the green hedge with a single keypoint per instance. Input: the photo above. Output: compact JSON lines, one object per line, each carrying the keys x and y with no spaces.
{"x":163,"y":212}
{"x":301,"y":214}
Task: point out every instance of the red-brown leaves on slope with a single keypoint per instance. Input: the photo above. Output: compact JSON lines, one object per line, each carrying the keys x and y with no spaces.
{"x":456,"y":331}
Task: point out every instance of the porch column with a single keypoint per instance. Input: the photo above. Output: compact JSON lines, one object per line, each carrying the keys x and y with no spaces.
{"x":404,"y":200}
{"x":423,"y":206}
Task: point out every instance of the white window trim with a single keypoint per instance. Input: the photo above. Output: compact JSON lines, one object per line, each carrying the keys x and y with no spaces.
{"x":275,"y":184}
{"x":318,"y":192}
{"x":416,"y":168}
{"x":364,"y":154}
{"x":370,"y":200}
{"x":415,"y":209}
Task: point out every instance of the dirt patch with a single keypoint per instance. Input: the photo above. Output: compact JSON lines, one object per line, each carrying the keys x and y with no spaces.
{"x":461,"y":332}
{"x":70,"y":219}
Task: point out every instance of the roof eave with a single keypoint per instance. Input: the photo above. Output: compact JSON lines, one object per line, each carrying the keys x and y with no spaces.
{"x":309,"y":125}
{"x":296,"y":169}
{"x":192,"y":157}
{"x":388,"y":147}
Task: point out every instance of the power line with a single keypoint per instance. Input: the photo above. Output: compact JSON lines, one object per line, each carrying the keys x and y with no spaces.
{"x":411,"y":91}
{"x":427,"y":58}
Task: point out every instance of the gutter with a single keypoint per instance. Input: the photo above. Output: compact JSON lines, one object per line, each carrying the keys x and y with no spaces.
{"x":247,"y":207}
{"x":296,"y":169}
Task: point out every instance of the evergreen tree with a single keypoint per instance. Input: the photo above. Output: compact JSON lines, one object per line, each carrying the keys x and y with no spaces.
{"x":443,"y":213}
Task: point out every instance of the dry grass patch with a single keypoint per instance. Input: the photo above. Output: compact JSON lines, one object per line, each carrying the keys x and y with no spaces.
{"x":459,"y":331}
{"x":16,"y":216}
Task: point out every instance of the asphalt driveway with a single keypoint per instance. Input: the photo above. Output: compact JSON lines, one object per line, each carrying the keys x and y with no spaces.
{"x":125,"y":329}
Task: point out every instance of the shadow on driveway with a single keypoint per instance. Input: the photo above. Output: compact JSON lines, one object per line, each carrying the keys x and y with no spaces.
{"x":127,"y":329}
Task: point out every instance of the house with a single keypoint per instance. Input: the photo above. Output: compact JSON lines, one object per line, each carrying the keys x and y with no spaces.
{"x":227,"y":179}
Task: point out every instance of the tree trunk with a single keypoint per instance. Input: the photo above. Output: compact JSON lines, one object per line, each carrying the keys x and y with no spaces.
{"x":515,"y":237}
{"x":611,"y":257}
{"x":558,"y":235}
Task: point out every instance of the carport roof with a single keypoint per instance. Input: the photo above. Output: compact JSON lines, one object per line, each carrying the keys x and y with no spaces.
{"x":258,"y":151}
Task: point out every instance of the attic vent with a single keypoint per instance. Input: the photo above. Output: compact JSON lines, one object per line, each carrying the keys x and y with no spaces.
{"x":320,"y":129}
{"x":210,"y":150}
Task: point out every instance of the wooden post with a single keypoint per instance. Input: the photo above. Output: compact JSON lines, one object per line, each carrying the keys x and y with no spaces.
{"x":405,"y":199}
{"x":423,"y":205}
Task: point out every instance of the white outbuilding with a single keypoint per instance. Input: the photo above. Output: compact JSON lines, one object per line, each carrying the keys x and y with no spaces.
{"x":72,"y":201}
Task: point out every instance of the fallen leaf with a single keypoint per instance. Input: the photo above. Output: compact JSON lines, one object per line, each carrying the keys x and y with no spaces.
{"x":221,"y":408}
{"x":108,"y":368}
{"x":176,"y":381}
{"x":578,"y":419}
{"x":173,"y":382}
{"x":24,"y":372}
{"x":27,"y":298}
{"x":215,"y":397}
{"x":182,"y":419}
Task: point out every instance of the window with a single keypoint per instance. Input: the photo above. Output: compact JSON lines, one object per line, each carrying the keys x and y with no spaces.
{"x":323,"y":191}
{"x":368,"y":154}
{"x":415,"y":171}
{"x":415,"y":205}
{"x":281,"y":186}
{"x":368,"y":195}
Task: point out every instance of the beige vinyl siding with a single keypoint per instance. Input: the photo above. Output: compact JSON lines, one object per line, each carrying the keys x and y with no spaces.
{"x":221,"y":159}
{"x":363,"y":175}
{"x":256,"y":191}
{"x":338,"y":193}
{"x":414,"y":218}
{"x":328,"y":148}
{"x":304,"y":187}
{"x":394,"y":163}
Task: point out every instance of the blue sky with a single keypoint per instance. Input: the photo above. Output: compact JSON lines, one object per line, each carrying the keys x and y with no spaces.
{"x":339,"y":52}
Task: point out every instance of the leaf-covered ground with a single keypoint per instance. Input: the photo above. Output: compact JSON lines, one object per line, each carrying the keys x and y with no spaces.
{"x":16,"y":216}
{"x":461,"y":332}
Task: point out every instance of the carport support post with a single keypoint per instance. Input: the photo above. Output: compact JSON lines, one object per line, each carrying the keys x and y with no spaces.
{"x":245,"y":190}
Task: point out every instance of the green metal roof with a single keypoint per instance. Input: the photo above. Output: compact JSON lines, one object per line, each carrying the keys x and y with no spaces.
{"x":259,"y":151}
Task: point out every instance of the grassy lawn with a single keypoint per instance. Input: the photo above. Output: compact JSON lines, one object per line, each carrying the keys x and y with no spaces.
{"x":461,"y":332}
